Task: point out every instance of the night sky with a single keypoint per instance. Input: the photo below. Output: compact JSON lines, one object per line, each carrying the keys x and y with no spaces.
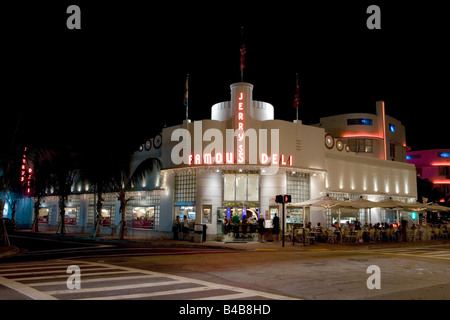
{"x":121,"y":78}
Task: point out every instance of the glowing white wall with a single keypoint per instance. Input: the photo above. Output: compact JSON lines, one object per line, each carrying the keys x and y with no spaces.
{"x":358,"y":175}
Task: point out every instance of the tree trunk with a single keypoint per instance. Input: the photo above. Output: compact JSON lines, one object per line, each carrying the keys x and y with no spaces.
{"x":123,"y":205}
{"x":122,"y":221}
{"x":62,"y":214}
{"x":37,"y":206}
{"x":98,"y":225}
{"x":4,"y":240}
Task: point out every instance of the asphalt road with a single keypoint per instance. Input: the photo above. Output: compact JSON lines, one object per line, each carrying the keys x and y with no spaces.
{"x":417,"y":271}
{"x":47,"y":246}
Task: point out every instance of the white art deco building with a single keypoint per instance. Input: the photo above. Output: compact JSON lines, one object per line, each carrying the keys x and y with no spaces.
{"x":237,"y":162}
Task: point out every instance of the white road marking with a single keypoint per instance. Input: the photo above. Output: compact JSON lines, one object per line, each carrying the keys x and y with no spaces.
{"x":65,"y":275}
{"x":108,"y":270}
{"x":112,"y":288}
{"x":150,"y":294}
{"x":228,"y":296}
{"x":103,"y":279}
{"x":26,"y":290}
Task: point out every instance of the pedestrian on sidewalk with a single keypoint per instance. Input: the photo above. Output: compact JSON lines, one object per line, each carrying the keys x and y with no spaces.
{"x":261,"y":228}
{"x":276,"y":227}
{"x":185,"y":228}
{"x":176,"y":227}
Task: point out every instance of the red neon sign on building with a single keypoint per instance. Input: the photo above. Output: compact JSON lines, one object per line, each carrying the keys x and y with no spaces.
{"x":240,"y":129}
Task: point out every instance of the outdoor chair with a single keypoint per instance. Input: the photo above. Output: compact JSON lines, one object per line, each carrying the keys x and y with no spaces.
{"x":331,"y":236}
{"x":390,"y":234}
{"x":346,"y":234}
{"x":309,"y":238}
{"x":436,"y":232}
{"x":359,"y":236}
{"x":377,"y":235}
{"x":372,"y":235}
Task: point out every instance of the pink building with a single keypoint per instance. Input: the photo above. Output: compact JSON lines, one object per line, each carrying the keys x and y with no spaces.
{"x":433,"y":165}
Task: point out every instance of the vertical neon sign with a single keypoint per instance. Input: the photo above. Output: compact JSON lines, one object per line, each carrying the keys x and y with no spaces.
{"x":240,"y":130}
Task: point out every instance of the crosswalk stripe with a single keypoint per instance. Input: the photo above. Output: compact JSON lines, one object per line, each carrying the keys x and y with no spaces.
{"x":37,"y":265}
{"x":66,"y":275}
{"x":110,"y":288}
{"x":103,"y":279}
{"x":107,"y":272}
{"x":43,"y":272}
{"x":26,"y":290}
{"x":62,"y":267}
{"x":150,"y":294}
{"x":208,"y":284}
{"x":228,"y":296}
{"x":412,"y":252}
{"x":437,"y":253}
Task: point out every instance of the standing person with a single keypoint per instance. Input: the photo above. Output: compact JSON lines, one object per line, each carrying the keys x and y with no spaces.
{"x":261,"y":228}
{"x":176,"y":227}
{"x":244,"y":225}
{"x":185,"y":228}
{"x":276,"y":227}
{"x":235,"y":222}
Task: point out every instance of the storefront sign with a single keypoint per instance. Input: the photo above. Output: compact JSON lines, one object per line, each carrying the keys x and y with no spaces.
{"x":240,"y":130}
{"x":234,"y":143}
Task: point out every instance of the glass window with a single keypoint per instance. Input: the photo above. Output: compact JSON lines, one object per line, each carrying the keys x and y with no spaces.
{"x":185,"y":185}
{"x":106,"y":217}
{"x":207,"y":214}
{"x":70,"y":216}
{"x":298,"y":186}
{"x":366,"y":122}
{"x":44,"y":215}
{"x":185,"y":211}
{"x":229,"y":187}
{"x":392,"y":150}
{"x":143,"y":217}
{"x":361,"y":145}
{"x":253,"y":187}
{"x":241,"y":187}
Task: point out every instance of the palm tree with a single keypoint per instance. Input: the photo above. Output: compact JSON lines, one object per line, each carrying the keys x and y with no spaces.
{"x":127,"y":178}
{"x":11,"y":188}
{"x":41,"y":159}
{"x":97,"y":170}
{"x":64,"y":168}
{"x":109,"y":169}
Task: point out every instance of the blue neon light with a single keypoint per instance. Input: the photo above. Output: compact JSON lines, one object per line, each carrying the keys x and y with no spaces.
{"x":391,"y":127}
{"x":444,"y":155}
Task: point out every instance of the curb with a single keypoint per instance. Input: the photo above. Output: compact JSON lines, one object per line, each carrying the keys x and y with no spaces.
{"x":10,"y":251}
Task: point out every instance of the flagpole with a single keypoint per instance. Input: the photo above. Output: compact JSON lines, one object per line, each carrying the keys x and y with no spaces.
{"x":187,"y":97}
{"x":242,"y":62}
{"x":297,"y":97}
{"x":296,"y":76}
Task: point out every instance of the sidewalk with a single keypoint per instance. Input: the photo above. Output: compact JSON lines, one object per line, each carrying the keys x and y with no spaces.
{"x":245,"y":246}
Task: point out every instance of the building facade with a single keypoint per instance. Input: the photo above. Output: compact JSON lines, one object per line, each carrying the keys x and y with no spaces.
{"x":433,"y":165}
{"x":237,"y":162}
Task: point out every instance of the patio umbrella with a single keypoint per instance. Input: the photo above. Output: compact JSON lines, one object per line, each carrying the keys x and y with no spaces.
{"x":399,"y":205}
{"x":327,"y":202}
{"x":361,"y":203}
{"x":438,"y":207}
{"x":324,"y":201}
{"x":390,"y":204}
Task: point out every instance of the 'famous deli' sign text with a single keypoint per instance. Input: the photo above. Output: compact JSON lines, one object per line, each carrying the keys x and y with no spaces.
{"x":230,"y":149}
